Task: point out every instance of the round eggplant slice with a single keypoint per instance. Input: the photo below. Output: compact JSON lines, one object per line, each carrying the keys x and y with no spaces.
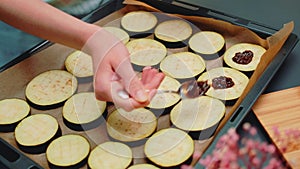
{"x":34,"y":133}
{"x":83,"y":111}
{"x":173,"y":33}
{"x":79,"y":64}
{"x":146,"y":52}
{"x":143,"y":166}
{"x":131,"y":126}
{"x":112,"y":155}
{"x":169,"y":147}
{"x":199,"y":116}
{"x":210,"y":45}
{"x":118,"y":32}
{"x":68,"y":151}
{"x":226,"y":83}
{"x":139,"y":23}
{"x":50,"y":89}
{"x":183,"y":65}
{"x":162,"y":103}
{"x":244,"y":56}
{"x":12,"y":111}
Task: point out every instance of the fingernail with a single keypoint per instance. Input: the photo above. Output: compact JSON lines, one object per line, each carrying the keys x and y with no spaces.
{"x":141,"y":96}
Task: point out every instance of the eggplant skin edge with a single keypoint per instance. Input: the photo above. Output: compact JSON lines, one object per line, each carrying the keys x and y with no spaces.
{"x":132,"y":143}
{"x":212,"y":56}
{"x":41,"y":148}
{"x":49,"y":106}
{"x":179,"y":44}
{"x":158,"y":112}
{"x":187,"y":161}
{"x":45,"y":107}
{"x":206,"y":133}
{"x":86,"y":126}
{"x":74,"y":166}
{"x":11,"y":127}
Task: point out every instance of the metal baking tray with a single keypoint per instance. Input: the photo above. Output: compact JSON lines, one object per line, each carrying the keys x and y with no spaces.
{"x":12,"y":158}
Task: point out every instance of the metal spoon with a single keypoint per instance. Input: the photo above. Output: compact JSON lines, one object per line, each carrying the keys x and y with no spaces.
{"x":188,"y":89}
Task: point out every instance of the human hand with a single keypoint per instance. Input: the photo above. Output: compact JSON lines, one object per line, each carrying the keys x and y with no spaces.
{"x":114,"y":73}
{"x":112,"y":67}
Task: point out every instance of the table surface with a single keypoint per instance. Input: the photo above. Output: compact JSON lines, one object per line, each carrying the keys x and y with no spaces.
{"x":273,"y":13}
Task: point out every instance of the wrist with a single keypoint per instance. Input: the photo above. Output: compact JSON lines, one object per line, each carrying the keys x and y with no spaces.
{"x":88,"y":32}
{"x":102,"y":43}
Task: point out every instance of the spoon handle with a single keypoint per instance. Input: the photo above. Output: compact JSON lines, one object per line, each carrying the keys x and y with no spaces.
{"x":167,"y":91}
{"x":125,"y":95}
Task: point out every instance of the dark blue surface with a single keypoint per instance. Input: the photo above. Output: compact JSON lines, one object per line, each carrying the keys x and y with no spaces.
{"x":13,"y":42}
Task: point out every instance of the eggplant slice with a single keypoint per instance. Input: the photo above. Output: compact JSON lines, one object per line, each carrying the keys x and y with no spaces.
{"x":68,"y":151}
{"x":83,"y":111}
{"x":112,"y":155}
{"x":79,"y":64}
{"x":139,"y":23}
{"x":199,"y":116}
{"x":183,"y":65}
{"x":50,"y":89}
{"x":131,"y":127}
{"x":244,"y":56}
{"x":146,"y":52}
{"x":119,"y":33}
{"x":162,"y":103}
{"x":208,"y":44}
{"x":173,"y":33}
{"x":169,"y":147}
{"x":143,"y":166}
{"x":12,"y":111}
{"x":34,"y":133}
{"x":226,"y":83}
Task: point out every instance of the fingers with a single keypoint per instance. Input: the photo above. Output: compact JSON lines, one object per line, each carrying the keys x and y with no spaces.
{"x":151,"y":78}
{"x":107,"y":90}
{"x":108,"y":86}
{"x":147,"y":73}
{"x":132,"y":83}
{"x":114,"y":72}
{"x":102,"y":83}
{"x":127,"y":103}
{"x":152,"y":94}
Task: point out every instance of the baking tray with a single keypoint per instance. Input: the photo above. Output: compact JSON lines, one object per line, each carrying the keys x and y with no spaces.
{"x":11,"y":157}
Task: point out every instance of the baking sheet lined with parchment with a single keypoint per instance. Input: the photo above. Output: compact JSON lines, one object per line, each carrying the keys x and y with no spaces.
{"x":14,"y":80}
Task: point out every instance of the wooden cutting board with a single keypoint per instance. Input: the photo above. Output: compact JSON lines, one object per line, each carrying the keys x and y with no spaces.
{"x":281,"y":109}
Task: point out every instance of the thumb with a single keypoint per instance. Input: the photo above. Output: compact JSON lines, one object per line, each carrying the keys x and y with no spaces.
{"x":131,"y":82}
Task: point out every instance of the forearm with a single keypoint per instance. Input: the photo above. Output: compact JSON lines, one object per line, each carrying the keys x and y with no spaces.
{"x":43,"y":20}
{"x":111,"y":61}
